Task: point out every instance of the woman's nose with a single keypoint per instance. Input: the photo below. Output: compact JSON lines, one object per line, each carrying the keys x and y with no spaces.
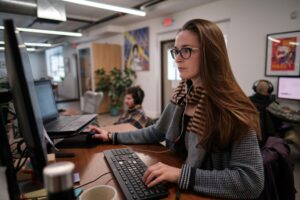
{"x":178,"y":58}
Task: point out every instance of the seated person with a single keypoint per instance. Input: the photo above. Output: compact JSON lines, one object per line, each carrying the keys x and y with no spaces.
{"x":135,"y":114}
{"x":263,"y":94}
{"x":262,"y":98}
{"x":213,"y":130}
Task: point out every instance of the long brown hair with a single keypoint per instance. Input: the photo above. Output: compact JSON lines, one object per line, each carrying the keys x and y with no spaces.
{"x":229,"y":114}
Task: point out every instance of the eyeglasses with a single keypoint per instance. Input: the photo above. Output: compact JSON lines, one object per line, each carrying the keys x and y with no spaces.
{"x":185,"y":52}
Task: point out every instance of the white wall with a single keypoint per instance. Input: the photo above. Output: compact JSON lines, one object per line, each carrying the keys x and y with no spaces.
{"x":37,"y":62}
{"x":68,"y":88}
{"x":250,"y":22}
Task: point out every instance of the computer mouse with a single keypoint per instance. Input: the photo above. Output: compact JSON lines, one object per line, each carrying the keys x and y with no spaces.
{"x":91,"y":140}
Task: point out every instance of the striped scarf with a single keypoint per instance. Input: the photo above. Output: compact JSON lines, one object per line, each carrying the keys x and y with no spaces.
{"x":196,"y":96}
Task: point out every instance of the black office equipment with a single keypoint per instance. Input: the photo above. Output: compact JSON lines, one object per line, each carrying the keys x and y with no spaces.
{"x":6,"y":161}
{"x":53,"y":122}
{"x":24,"y":98}
{"x":129,"y":169}
{"x":82,"y":140}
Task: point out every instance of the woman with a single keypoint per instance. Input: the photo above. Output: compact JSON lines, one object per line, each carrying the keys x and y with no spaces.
{"x":209,"y":121}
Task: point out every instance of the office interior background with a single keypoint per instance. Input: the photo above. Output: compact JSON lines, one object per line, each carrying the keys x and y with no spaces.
{"x":245,"y":25}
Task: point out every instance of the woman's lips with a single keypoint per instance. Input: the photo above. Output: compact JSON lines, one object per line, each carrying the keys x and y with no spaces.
{"x":180,"y":69}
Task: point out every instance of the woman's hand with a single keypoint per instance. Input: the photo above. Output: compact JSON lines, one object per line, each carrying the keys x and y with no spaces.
{"x":99,"y":133}
{"x":161,"y":172}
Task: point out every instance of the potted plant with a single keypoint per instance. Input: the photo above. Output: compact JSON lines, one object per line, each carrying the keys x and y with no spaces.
{"x":115,"y":84}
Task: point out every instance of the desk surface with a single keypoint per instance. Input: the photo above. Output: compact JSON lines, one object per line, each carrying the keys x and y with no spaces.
{"x":90,"y":163}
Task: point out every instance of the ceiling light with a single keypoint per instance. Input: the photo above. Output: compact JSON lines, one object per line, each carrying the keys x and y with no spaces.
{"x":33,"y":44}
{"x":273,"y":39}
{"x":294,"y":43}
{"x":74,"y":34}
{"x":28,"y":49}
{"x":38,"y":44}
{"x":108,"y":7}
{"x":22,"y":3}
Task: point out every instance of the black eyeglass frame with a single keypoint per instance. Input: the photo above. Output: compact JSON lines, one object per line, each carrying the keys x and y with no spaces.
{"x":174,"y":52}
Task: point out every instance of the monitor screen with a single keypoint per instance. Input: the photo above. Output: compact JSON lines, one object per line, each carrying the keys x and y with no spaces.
{"x":46,"y":100}
{"x":25,"y":100}
{"x":288,"y":88}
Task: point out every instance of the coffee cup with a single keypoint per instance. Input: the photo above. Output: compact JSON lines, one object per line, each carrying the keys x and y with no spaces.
{"x":103,"y":192}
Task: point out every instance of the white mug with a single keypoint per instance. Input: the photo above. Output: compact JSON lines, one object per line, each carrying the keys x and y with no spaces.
{"x":103,"y":192}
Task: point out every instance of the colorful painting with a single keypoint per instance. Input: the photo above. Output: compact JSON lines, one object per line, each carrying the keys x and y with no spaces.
{"x":283,"y":54}
{"x":137,"y":49}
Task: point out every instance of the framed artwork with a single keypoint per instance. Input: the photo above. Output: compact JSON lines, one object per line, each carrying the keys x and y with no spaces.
{"x":137,"y":49}
{"x":283,"y":54}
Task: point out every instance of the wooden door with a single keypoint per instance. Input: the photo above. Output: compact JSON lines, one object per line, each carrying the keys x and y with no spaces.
{"x":107,"y":57}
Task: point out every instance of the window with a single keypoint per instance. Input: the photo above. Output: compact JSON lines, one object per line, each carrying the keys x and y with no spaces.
{"x":173,"y":73}
{"x":55,"y":64}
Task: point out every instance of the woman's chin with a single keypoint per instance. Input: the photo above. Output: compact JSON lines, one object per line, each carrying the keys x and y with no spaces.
{"x":183,"y":77}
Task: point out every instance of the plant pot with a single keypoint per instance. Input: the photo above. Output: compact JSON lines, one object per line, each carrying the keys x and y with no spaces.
{"x":114,"y":111}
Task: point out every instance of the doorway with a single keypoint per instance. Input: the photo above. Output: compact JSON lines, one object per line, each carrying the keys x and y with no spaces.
{"x":169,"y":73}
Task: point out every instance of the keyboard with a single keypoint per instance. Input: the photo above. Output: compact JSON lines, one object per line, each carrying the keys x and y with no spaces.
{"x":129,"y":169}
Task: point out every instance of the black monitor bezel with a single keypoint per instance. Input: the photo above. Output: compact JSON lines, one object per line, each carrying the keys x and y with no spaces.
{"x":24,"y":97}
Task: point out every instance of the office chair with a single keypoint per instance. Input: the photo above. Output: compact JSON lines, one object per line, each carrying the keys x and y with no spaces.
{"x":91,"y":102}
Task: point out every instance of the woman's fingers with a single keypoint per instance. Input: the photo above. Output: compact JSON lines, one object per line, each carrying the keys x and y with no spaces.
{"x":156,"y":181}
{"x":153,"y":174}
{"x":160,"y":172}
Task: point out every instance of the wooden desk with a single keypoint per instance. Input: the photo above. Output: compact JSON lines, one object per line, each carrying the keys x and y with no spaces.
{"x":90,"y":163}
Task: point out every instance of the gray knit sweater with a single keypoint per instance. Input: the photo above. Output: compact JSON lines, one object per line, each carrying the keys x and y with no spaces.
{"x":236,"y":174}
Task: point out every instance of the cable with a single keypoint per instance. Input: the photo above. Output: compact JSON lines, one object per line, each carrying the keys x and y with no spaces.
{"x":92,"y":180}
{"x":21,"y":164}
{"x":182,"y":118}
{"x":106,"y":183}
{"x":177,"y":197}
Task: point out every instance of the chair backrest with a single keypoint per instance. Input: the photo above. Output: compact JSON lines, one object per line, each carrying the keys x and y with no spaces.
{"x":91,"y":102}
{"x":278,"y":167}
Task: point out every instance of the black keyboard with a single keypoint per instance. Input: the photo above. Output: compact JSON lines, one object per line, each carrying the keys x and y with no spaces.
{"x":129,"y":169}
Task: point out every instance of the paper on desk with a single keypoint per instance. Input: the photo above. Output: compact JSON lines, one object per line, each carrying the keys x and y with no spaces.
{"x":42,"y":193}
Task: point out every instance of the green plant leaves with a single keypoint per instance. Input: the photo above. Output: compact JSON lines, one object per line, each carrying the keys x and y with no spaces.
{"x":115,"y":83}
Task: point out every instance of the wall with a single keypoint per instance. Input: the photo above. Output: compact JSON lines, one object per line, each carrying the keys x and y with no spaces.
{"x":37,"y":62}
{"x":68,"y":88}
{"x":250,"y":22}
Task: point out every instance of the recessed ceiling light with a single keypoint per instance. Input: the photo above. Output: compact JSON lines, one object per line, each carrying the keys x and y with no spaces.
{"x":28,"y":49}
{"x":108,"y":7}
{"x":31,"y":30}
{"x":32,"y":44}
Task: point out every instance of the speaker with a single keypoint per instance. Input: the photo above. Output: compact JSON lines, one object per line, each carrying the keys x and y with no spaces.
{"x":270,"y":86}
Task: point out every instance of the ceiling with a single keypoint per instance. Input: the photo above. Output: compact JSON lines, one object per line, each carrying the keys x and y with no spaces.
{"x":83,"y":18}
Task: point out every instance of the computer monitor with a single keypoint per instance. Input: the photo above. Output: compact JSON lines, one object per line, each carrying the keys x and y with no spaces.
{"x":46,"y":100}
{"x":288,"y":88}
{"x":25,"y":101}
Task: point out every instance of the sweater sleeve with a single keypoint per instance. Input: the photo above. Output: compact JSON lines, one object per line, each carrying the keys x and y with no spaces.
{"x":242,"y":179}
{"x":149,"y":135}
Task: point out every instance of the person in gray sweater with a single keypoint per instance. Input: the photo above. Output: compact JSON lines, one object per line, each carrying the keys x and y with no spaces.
{"x":209,"y":122}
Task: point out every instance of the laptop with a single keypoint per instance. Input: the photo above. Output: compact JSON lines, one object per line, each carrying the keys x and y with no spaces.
{"x":54,"y":123}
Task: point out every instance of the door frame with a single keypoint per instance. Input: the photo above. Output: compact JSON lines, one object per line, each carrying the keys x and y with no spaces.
{"x":162,"y":43}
